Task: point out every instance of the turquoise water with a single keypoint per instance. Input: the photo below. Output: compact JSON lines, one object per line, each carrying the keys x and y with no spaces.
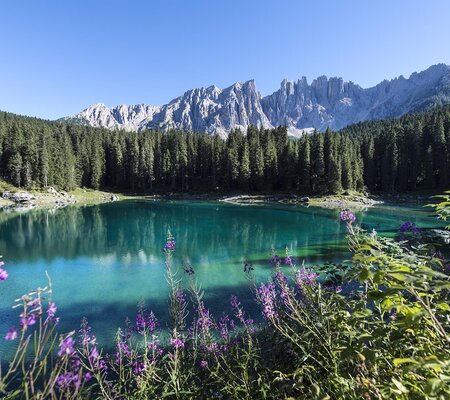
{"x":104,"y":259}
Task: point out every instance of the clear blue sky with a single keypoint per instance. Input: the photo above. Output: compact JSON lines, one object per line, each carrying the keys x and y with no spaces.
{"x":59,"y":56}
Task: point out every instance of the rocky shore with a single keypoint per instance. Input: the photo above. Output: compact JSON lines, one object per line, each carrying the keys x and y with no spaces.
{"x":336,"y":202}
{"x":21,"y":200}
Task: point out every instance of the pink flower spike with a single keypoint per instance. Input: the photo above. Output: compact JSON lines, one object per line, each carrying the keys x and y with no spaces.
{"x":12,"y":334}
{"x":3,"y":274}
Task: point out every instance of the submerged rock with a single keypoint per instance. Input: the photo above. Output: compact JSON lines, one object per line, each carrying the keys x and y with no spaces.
{"x":20,"y":207}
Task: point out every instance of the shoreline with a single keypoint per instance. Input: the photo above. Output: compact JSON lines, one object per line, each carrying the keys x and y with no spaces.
{"x":51,"y":198}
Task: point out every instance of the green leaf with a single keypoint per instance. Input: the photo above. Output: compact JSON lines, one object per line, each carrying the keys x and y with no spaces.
{"x":364,"y":275}
{"x":399,"y":361}
{"x":400,"y":277}
{"x":378,"y":277}
{"x":375,"y":294}
{"x":431,"y":385}
{"x":443,"y":306}
{"x":400,"y":386}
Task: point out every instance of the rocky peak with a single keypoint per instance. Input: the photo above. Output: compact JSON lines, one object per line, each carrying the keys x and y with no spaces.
{"x":326,"y":102}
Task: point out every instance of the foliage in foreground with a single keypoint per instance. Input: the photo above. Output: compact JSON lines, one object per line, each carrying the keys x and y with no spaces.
{"x":379,"y":328}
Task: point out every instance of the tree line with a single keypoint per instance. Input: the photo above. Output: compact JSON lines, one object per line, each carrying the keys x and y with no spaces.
{"x":409,"y":153}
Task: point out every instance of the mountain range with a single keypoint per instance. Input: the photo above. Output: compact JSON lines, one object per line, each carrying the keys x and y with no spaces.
{"x":325,"y":102}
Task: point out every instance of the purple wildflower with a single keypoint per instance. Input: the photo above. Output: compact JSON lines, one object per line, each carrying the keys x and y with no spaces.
{"x":280,"y":278}
{"x":96,"y":360}
{"x":71,"y":375}
{"x":66,"y":347}
{"x":11,"y":334}
{"x":204,"y":319}
{"x":87,"y":338}
{"x":176,"y":343}
{"x":409,"y":226}
{"x":249,"y":325}
{"x":267,"y":297}
{"x":170,"y":246}
{"x":224,"y":330}
{"x":28,"y":320}
{"x":180,"y":296}
{"x":351,"y":217}
{"x":305,"y":277}
{"x":138,"y":367}
{"x":348,"y":216}
{"x":213,"y":348}
{"x":123,"y":346}
{"x":234,"y":302}
{"x":155,"y":348}
{"x":67,"y":380}
{"x":93,"y":355}
{"x":288,"y":260}
{"x":51,"y":311}
{"x":275,"y":260}
{"x":236,"y":306}
{"x":203,"y":364}
{"x":145,"y":322}
{"x":3,"y":274}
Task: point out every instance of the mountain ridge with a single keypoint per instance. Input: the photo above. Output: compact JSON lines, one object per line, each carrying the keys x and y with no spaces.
{"x":326,"y":102}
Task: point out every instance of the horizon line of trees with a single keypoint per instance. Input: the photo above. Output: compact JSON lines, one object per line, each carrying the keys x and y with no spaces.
{"x":402,"y":154}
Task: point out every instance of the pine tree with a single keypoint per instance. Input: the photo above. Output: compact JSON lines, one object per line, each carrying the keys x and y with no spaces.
{"x":97,"y":157}
{"x":369,"y":164}
{"x":256,"y":158}
{"x":389,"y":162}
{"x":305,"y":164}
{"x":15,"y":169}
{"x":317,"y":162}
{"x":244,"y":170}
{"x":270,"y":160}
{"x":440,"y":153}
{"x":233,"y":163}
{"x":332,"y":163}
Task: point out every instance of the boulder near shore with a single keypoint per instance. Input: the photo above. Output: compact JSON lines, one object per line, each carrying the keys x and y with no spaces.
{"x":19,"y":197}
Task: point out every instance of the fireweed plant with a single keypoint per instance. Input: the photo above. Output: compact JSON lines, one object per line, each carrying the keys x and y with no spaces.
{"x":376,"y":328}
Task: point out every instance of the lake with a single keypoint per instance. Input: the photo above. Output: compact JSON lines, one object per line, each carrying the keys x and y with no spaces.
{"x":104,"y":259}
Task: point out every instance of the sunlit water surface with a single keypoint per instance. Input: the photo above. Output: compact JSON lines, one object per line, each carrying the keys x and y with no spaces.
{"x":103,"y":260}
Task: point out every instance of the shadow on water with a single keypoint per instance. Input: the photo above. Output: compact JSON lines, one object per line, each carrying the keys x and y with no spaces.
{"x":106,"y":318}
